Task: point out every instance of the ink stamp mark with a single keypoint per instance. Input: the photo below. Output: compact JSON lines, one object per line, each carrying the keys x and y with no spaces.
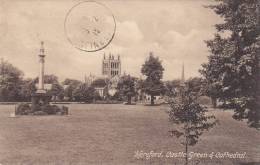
{"x":90,"y":26}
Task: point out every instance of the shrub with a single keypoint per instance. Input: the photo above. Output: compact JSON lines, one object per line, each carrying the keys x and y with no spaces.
{"x":26,"y":109}
{"x":23,"y":109}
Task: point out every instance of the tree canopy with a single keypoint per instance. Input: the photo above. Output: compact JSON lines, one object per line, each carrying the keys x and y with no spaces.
{"x":189,"y":117}
{"x":70,"y":86}
{"x":84,"y":93}
{"x":153,"y":70}
{"x":10,"y":82}
{"x":232,"y":72}
{"x":126,"y":86}
{"x":100,"y":82}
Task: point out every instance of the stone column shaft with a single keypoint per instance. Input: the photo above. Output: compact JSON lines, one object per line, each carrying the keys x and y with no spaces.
{"x":41,"y":74}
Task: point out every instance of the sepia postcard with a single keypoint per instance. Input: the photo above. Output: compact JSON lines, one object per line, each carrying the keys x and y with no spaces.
{"x":129,"y":82}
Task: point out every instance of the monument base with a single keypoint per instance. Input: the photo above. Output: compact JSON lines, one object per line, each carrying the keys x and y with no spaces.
{"x":40,"y":99}
{"x":40,"y":106}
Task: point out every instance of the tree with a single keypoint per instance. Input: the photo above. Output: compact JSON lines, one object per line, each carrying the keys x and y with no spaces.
{"x":49,"y":79}
{"x":10,"y":82}
{"x":100,"y":82}
{"x":69,"y":86}
{"x":57,"y":91}
{"x":69,"y":81}
{"x":84,"y":93}
{"x":196,"y":85}
{"x":172,"y":87}
{"x":28,"y":88}
{"x":236,"y":58}
{"x":213,"y":69}
{"x":153,"y":70}
{"x":189,"y":118}
{"x":126,"y":87}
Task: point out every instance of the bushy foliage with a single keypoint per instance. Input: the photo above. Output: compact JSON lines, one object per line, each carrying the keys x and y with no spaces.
{"x":153,"y":70}
{"x":28,"y":88}
{"x":26,"y":109}
{"x":10,"y":82}
{"x":57,"y":91}
{"x":49,"y":79}
{"x":189,"y":117}
{"x":172,"y":88}
{"x":71,"y":85}
{"x":84,"y":93}
{"x":126,"y":87}
{"x":232,"y":72}
{"x":23,"y":109}
{"x":100,"y":82}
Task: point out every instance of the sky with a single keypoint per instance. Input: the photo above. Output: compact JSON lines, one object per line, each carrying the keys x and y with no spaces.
{"x":174,"y":31}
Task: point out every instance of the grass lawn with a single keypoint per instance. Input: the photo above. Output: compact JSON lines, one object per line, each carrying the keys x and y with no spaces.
{"x":110,"y":134}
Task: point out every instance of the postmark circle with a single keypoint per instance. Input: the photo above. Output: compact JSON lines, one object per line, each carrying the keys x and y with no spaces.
{"x":90,"y":26}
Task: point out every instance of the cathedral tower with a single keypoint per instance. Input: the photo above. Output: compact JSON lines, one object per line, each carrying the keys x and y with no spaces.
{"x":111,"y":66}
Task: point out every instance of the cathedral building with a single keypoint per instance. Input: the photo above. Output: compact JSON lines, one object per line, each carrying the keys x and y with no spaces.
{"x":111,"y":72}
{"x":111,"y":66}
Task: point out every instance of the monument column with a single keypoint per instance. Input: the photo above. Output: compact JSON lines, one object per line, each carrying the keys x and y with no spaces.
{"x":41,"y":74}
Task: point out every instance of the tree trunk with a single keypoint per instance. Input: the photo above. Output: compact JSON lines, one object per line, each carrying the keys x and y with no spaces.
{"x":152,"y":99}
{"x":214,"y":102}
{"x":129,"y":100}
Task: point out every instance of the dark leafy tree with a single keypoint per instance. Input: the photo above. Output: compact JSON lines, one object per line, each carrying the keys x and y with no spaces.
{"x":68,"y":81}
{"x":28,"y":88}
{"x":213,"y":69}
{"x":139,"y":85}
{"x":126,"y":86}
{"x":69,"y":86}
{"x":84,"y":93}
{"x":172,"y":88}
{"x":233,"y":72}
{"x":189,"y":118}
{"x":196,"y":85}
{"x":100,"y":82}
{"x":49,"y":79}
{"x":10,"y":82}
{"x":57,"y":91}
{"x":153,"y":70}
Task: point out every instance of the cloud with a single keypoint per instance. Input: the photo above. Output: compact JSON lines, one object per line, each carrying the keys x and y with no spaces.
{"x":128,"y":33}
{"x":174,"y":30}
